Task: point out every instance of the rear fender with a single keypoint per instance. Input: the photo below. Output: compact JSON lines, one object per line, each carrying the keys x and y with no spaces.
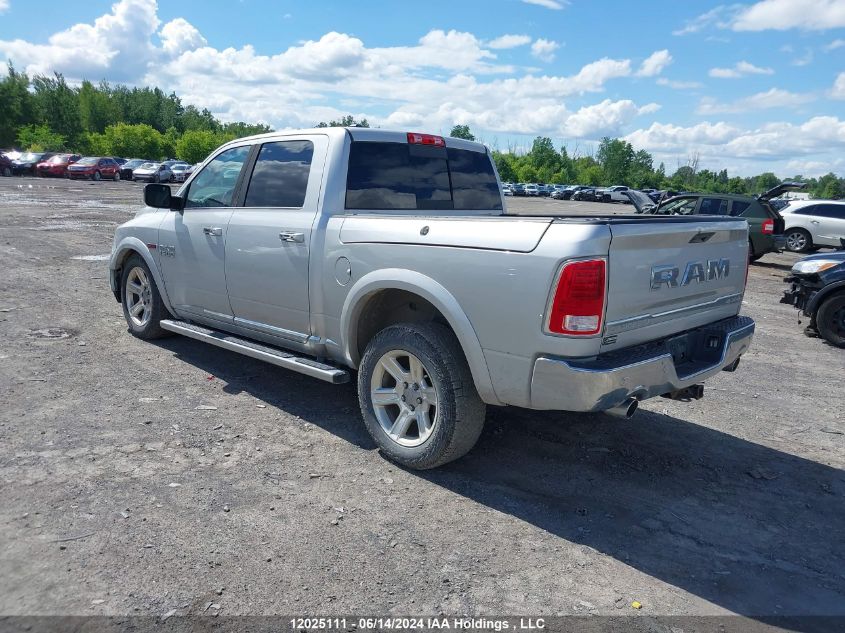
{"x":438,"y":296}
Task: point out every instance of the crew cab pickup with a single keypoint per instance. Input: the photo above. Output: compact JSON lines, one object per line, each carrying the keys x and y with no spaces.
{"x":391,"y":255}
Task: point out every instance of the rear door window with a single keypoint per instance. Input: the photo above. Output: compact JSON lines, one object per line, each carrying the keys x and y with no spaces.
{"x":831,"y":211}
{"x":398,"y":176}
{"x":739,"y":207}
{"x":713,"y":206}
{"x":280,"y":176}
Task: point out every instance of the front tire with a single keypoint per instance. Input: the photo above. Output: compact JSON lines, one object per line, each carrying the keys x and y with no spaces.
{"x":830,"y":320}
{"x":143,"y":308}
{"x":97,"y":176}
{"x":799,"y":241}
{"x":417,"y":395}
{"x":116,"y":176}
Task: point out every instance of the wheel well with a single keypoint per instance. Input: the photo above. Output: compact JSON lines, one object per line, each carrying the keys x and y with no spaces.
{"x":118,"y":272}
{"x":387,"y":307}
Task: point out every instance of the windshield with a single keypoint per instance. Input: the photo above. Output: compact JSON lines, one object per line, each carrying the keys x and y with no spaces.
{"x":149,"y":166}
{"x":87,"y":161}
{"x":30,"y":156}
{"x":133,"y":163}
{"x":179,"y":167}
{"x":59,"y":158}
{"x":681,"y":206}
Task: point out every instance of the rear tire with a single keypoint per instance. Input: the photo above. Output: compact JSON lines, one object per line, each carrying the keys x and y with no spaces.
{"x":443,"y":413}
{"x":116,"y":176}
{"x":143,"y":308}
{"x":7,"y":172}
{"x":830,"y":320}
{"x":799,"y":241}
{"x":97,"y":176}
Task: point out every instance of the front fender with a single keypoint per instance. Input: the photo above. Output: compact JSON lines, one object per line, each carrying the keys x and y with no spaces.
{"x":817,"y":299}
{"x":431,"y":291}
{"x":124,"y":249}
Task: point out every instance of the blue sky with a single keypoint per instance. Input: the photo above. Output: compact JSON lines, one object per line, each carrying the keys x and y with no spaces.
{"x":750,"y":86}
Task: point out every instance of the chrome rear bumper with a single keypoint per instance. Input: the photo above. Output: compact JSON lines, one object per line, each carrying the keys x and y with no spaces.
{"x":640,"y":372}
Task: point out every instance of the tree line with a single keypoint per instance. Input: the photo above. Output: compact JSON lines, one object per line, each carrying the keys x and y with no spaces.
{"x":616,"y":162}
{"x":45,"y":113}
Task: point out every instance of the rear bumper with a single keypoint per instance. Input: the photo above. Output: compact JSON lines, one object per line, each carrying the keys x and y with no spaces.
{"x":640,"y":372}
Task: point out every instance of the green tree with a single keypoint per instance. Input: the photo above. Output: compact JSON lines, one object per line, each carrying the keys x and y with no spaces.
{"x":140,"y":140}
{"x":346,"y":121}
{"x":462,"y":131}
{"x":96,"y":109}
{"x":40,"y":138}
{"x":17,"y":109}
{"x":196,"y":145}
{"x":58,"y":106}
{"x":833,"y":190}
{"x":616,"y":158}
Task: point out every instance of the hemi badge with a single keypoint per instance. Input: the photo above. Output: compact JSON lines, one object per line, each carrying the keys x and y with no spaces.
{"x":151,"y":246}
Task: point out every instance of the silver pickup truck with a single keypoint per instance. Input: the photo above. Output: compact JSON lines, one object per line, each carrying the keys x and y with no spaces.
{"x":392,"y":254}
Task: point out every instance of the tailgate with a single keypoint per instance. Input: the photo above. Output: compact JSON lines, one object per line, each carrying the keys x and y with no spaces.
{"x":667,"y":276}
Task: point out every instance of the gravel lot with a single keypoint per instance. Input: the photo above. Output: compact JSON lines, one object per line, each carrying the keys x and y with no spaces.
{"x":144,"y":478}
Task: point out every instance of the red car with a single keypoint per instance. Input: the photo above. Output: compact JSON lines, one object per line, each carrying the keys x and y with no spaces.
{"x":56,"y":166}
{"x":93,"y":168}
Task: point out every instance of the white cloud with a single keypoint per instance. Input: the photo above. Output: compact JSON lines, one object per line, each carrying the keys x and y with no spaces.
{"x":4,"y":6}
{"x":509,"y":41}
{"x":782,"y":15}
{"x":719,"y":16}
{"x":655,"y":63}
{"x":838,"y":90}
{"x":679,"y":85}
{"x":549,"y":4}
{"x":740,"y":69}
{"x":837,"y":43}
{"x":774,"y":98}
{"x":179,"y":35}
{"x":804,"y":60}
{"x":544,"y":50}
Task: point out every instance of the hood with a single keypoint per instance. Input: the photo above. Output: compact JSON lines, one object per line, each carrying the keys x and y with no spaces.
{"x":782,"y":188}
{"x":642,"y":203}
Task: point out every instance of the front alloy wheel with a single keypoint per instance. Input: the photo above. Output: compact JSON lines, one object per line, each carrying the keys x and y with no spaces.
{"x":143,"y":307}
{"x":138,"y":297}
{"x":798,"y":241}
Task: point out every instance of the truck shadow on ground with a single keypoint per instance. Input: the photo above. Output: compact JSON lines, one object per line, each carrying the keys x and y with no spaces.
{"x":747,"y":527}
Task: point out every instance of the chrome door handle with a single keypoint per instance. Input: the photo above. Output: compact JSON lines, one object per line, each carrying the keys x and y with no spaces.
{"x":212,"y":230}
{"x":814,"y":221}
{"x":287,"y":236}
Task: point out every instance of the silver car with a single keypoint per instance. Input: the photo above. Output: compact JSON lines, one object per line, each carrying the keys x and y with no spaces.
{"x":180,"y":172}
{"x":152,"y":172}
{"x":813,"y":223}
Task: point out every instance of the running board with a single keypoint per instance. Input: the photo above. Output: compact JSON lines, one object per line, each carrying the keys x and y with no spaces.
{"x":268,"y":354}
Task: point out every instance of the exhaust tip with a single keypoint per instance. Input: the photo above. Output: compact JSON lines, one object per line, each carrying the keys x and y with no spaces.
{"x":625,"y":410}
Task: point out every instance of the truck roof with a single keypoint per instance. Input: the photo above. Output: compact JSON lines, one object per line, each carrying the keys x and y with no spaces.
{"x":365,"y":134}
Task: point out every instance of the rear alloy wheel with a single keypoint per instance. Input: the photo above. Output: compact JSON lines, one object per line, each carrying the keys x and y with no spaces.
{"x":830,"y":320}
{"x":798,"y":241}
{"x":417,"y":395}
{"x":116,"y":176}
{"x":97,"y":176}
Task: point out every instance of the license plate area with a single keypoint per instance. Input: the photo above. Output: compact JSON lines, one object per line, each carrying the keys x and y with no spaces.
{"x":696,"y":350}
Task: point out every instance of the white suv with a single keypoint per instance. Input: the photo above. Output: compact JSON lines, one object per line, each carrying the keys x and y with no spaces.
{"x":813,"y":223}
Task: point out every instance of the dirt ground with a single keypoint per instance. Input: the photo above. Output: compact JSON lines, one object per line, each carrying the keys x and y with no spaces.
{"x":145,"y":478}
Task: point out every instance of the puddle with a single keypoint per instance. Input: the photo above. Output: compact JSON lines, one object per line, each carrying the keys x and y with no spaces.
{"x":50,"y":333}
{"x":92,"y":258}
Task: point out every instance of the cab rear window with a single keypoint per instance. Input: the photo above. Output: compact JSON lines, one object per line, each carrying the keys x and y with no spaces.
{"x":400,"y":176}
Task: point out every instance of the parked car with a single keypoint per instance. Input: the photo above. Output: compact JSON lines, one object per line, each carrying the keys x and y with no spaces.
{"x":27,"y":163}
{"x":179,"y":172}
{"x":94,"y":168}
{"x":518,"y":189}
{"x":57,"y":165}
{"x":572,"y":190}
{"x":152,"y":172}
{"x":346,"y":281}
{"x":586,"y":194}
{"x":765,"y":225}
{"x":129,"y":166}
{"x":615,"y":194}
{"x":558,"y":192}
{"x":120,"y":161}
{"x":813,"y":223}
{"x":6,"y":165}
{"x":506,"y":189}
{"x":532,"y":190}
{"x":817,"y":289}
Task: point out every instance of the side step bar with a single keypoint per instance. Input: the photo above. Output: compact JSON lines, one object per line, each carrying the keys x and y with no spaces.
{"x":268,"y":354}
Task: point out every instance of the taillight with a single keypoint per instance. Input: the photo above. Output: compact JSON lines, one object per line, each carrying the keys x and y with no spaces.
{"x":768,"y":227}
{"x":578,"y":304}
{"x":426,"y":139}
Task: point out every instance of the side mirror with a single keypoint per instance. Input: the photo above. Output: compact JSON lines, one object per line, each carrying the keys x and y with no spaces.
{"x":159,"y":196}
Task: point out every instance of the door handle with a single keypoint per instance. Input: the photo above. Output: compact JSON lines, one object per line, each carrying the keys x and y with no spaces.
{"x":287,"y":236}
{"x":814,"y":221}
{"x":212,"y":230}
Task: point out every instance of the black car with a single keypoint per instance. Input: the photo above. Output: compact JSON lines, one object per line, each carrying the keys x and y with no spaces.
{"x":587,"y":194}
{"x":817,"y":288}
{"x":130,"y":165}
{"x":27,"y":162}
{"x":5,"y":165}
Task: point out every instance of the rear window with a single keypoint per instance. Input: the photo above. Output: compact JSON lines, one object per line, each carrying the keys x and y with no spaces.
{"x":394,"y":176}
{"x":713,"y":206}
